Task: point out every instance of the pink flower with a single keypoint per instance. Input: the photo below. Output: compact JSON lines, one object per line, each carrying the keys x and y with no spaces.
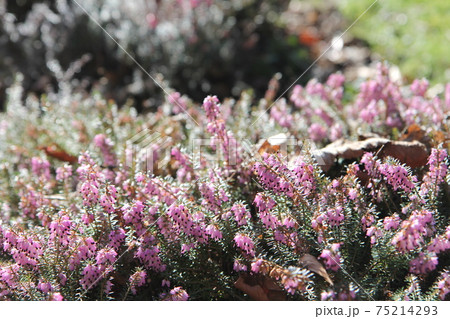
{"x":398,"y":177}
{"x":352,"y":193}
{"x":176,"y":294}
{"x":106,"y":255}
{"x":447,"y":96}
{"x":137,"y":279}
{"x":317,"y":132}
{"x":281,"y":114}
{"x":241,"y":214}
{"x":332,"y":257}
{"x":335,"y":216}
{"x":214,"y":232}
{"x":298,"y":98}
{"x":179,"y":103}
{"x":116,"y":238}
{"x":328,"y":295}
{"x":444,"y":284}
{"x":56,"y":297}
{"x":238,"y":266}
{"x":45,"y":287}
{"x":419,"y":87}
{"x":256,"y":265}
{"x":40,"y":167}
{"x":91,"y":276}
{"x":211,"y":105}
{"x":106,"y":147}
{"x":60,"y":229}
{"x":336,"y":80}
{"x":245,"y":243}
{"x":423,"y":264}
{"x":149,"y":258}
{"x":413,"y":231}
{"x":391,"y":222}
{"x":63,"y":173}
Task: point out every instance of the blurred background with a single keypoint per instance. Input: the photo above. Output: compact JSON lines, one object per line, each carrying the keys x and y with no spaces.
{"x":201,"y":47}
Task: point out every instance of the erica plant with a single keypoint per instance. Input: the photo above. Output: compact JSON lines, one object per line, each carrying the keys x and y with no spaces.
{"x":210,"y":208}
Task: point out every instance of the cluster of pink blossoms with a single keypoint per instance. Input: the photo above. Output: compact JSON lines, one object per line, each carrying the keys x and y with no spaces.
{"x":176,"y":294}
{"x":178,"y":102}
{"x":185,"y":222}
{"x":149,"y":258}
{"x":343,"y":295}
{"x":329,"y":94}
{"x":293,"y":279}
{"x":41,"y":168}
{"x":31,"y":202}
{"x":397,"y":176}
{"x":419,"y":225}
{"x":86,"y":249}
{"x":132,"y":215}
{"x":63,"y":173}
{"x":333,"y":217}
{"x":440,"y":243}
{"x":108,"y":199}
{"x":185,"y":171}
{"x":276,"y":176}
{"x":216,"y":126}
{"x":164,"y":193}
{"x":272,"y":173}
{"x":265,"y":204}
{"x":213,"y":198}
{"x":106,"y":147}
{"x":378,"y":98}
{"x":60,"y":229}
{"x":332,"y":257}
{"x":25,"y":251}
{"x":241,"y":214}
{"x":437,"y":171}
{"x":116,"y":238}
{"x":424,"y":263}
{"x":281,"y":114}
{"x":137,"y":279}
{"x":90,"y":179}
{"x":239,"y":266}
{"x":8,"y":279}
{"x":245,"y":243}
{"x":444,"y":285}
{"x":91,"y":275}
{"x":391,"y":222}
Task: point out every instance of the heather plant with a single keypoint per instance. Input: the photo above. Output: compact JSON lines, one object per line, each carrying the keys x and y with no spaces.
{"x":84,"y":216}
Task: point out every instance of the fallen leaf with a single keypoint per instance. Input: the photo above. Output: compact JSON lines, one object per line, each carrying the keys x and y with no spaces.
{"x":58,"y":153}
{"x":260,"y":288}
{"x":414,"y":154}
{"x":413,"y":133}
{"x":411,"y":153}
{"x":311,"y":263}
{"x":273,"y":144}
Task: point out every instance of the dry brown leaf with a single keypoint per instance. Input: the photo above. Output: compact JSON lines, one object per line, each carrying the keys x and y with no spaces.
{"x":311,"y":263}
{"x":273,"y":144}
{"x":414,"y":154}
{"x":58,"y":153}
{"x":260,"y":288}
{"x":255,"y":292}
{"x":413,"y":133}
{"x":411,"y":153}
